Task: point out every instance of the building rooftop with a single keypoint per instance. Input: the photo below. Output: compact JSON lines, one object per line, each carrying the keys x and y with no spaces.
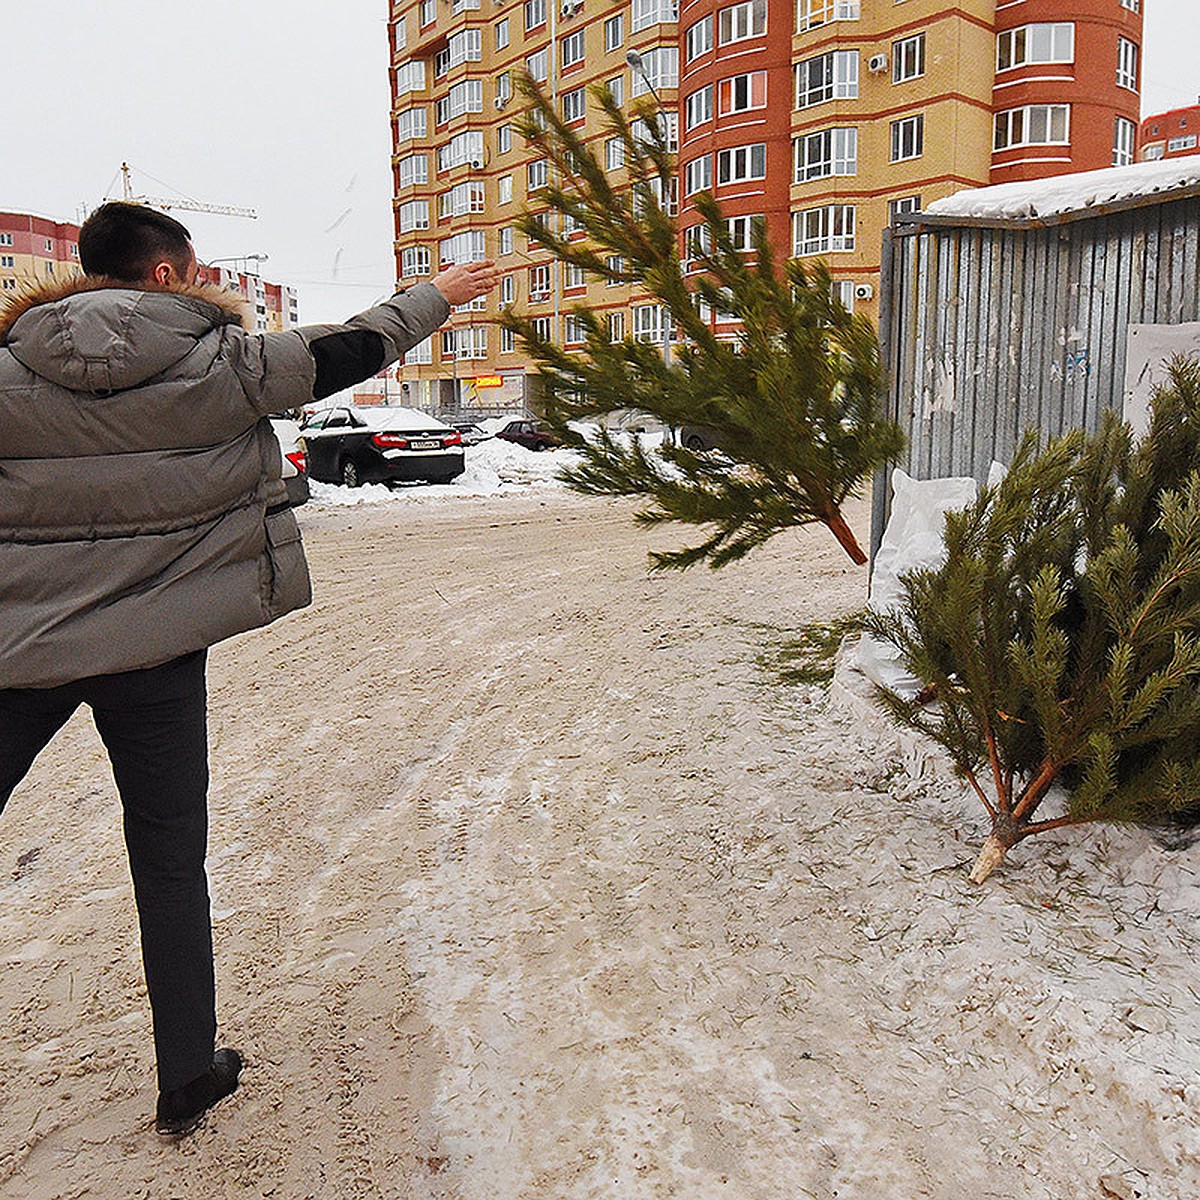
{"x":1081,"y":193}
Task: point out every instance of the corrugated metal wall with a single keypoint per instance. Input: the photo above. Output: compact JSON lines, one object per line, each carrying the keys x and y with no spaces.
{"x":988,"y":330}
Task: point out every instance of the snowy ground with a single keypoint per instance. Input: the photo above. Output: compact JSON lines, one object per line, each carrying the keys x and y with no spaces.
{"x":533,"y":883}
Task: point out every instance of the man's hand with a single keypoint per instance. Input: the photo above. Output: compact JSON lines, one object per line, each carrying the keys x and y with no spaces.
{"x":464,"y":281}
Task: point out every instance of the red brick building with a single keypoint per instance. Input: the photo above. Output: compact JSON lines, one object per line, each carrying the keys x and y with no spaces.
{"x":1171,"y":134}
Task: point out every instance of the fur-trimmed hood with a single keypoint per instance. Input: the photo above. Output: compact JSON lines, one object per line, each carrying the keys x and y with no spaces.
{"x":100,"y":335}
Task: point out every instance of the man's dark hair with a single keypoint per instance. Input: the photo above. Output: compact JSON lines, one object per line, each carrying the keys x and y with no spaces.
{"x":125,"y":241}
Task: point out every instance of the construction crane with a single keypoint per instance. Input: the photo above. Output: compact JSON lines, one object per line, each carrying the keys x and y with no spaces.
{"x":222,"y":210}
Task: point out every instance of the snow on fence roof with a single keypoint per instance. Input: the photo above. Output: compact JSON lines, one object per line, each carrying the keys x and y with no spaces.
{"x":1062,"y":195}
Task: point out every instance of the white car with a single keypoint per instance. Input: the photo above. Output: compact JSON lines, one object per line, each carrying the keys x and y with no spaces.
{"x":295,"y":474}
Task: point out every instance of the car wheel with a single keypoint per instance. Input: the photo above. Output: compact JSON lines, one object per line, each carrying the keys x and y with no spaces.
{"x":695,"y":443}
{"x":350,"y":473}
{"x":541,"y":445}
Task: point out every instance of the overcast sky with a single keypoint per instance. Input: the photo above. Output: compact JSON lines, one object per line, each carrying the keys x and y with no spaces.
{"x":276,"y":105}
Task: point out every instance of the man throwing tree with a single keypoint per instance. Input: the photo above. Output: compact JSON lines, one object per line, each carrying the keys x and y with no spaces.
{"x":142,"y":519}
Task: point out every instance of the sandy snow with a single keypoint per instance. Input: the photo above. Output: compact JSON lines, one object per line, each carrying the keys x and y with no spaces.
{"x":532,"y":882}
{"x":1076,"y":192}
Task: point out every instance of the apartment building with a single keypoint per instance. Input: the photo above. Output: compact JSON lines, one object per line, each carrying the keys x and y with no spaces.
{"x":1171,"y":134}
{"x":825,"y":119}
{"x":36,"y":248}
{"x":273,"y":306}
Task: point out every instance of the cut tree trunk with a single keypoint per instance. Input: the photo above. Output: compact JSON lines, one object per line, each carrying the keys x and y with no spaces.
{"x":990,"y":857}
{"x":845,"y":536}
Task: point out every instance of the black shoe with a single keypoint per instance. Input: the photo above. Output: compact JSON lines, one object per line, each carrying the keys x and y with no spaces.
{"x":180,"y":1111}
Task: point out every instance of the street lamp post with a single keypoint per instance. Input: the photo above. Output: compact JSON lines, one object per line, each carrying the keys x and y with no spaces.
{"x":638,"y":63}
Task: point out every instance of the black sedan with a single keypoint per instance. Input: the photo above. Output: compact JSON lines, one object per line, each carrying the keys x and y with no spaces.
{"x":353,"y":446}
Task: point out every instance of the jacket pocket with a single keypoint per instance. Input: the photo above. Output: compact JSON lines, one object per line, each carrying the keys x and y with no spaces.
{"x":289,"y":585}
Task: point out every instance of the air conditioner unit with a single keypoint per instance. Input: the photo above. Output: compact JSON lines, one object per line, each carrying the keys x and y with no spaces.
{"x":571,"y":7}
{"x":477,"y":163}
{"x":863,"y":291}
{"x":877,"y":64}
{"x":501,"y":101}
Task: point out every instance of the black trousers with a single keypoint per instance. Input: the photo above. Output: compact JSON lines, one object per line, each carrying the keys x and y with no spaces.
{"x":154,"y":726}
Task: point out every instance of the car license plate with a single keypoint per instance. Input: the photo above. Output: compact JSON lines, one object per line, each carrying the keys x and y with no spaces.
{"x":425,"y":444}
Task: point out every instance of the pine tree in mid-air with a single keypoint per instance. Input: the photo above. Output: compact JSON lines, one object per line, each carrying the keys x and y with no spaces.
{"x":792,"y":404}
{"x":1061,"y":638}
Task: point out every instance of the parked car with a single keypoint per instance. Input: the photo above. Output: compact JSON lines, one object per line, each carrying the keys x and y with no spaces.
{"x":698,"y":438}
{"x":295,"y":471}
{"x":353,"y":446}
{"x":530,"y":435}
{"x":472,"y":435}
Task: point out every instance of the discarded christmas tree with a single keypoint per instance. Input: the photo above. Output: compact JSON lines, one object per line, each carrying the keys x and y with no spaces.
{"x":1061,"y":638}
{"x":792,"y":404}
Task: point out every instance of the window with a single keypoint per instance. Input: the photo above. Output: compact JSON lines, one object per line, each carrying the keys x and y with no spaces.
{"x":508,"y":341}
{"x":743,"y":92}
{"x":504,"y":139}
{"x":412,"y":170}
{"x":828,"y":152}
{"x":648,"y":322}
{"x":473,"y":342}
{"x":413,"y":215}
{"x":616,"y":326}
{"x":505,"y":245}
{"x":1185,"y":141}
{"x":645,"y":13}
{"x":1152,"y":153}
{"x":399,"y":35}
{"x":699,"y":38}
{"x":503,"y":88}
{"x":832,"y":76}
{"x":1124,"y":137}
{"x":906,"y":204}
{"x":908,"y":58}
{"x":697,"y":175}
{"x":572,"y":49}
{"x":504,"y":189}
{"x":411,"y":123}
{"x":616,"y":89}
{"x":10,"y":285}
{"x":811,"y":13}
{"x":741,"y":163}
{"x":1033,"y":125}
{"x":457,"y":6}
{"x":502,"y":34}
{"x":465,"y":97}
{"x":535,"y":13}
{"x":464,"y":46}
{"x":573,"y":276}
{"x":428,"y":12}
{"x":465,"y":147}
{"x":573,"y":331}
{"x":614,"y":154}
{"x":741,"y":21}
{"x":414,"y":260}
{"x":574,"y":105}
{"x":660,"y":69}
{"x":842,"y":290}
{"x":468,"y":246}
{"x":1132,"y":5}
{"x":410,"y":77}
{"x":422,"y":352}
{"x":743,"y":230}
{"x":698,"y":107}
{"x":642,"y":131}
{"x":1049,"y":43}
{"x":614,"y":32}
{"x":823,"y":230}
{"x":539,"y":174}
{"x":7,"y":260}
{"x":541,"y":328}
{"x":1127,"y":64}
{"x":538,"y":66}
{"x":908,"y":138}
{"x":616,"y":266}
{"x":697,"y":242}
{"x":539,"y":283}
{"x":461,"y":199}
{"x":6,"y":239}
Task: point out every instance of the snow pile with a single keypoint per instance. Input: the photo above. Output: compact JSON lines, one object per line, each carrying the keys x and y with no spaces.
{"x":493,"y":468}
{"x":1044,"y":198}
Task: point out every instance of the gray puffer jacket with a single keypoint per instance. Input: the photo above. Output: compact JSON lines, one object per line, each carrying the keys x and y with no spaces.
{"x":142,"y":513}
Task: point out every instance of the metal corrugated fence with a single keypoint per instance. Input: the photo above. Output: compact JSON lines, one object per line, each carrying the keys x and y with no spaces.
{"x":990,"y":328}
